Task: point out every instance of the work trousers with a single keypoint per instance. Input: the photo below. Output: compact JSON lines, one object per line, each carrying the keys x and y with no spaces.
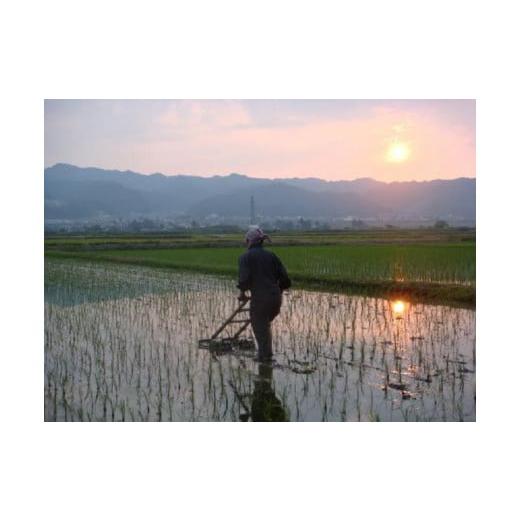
{"x":264,"y":310}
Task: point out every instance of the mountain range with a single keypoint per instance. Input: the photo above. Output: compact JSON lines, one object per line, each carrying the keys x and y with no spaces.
{"x":72,"y":192}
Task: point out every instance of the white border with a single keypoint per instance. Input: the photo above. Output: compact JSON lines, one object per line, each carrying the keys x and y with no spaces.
{"x":400,"y":49}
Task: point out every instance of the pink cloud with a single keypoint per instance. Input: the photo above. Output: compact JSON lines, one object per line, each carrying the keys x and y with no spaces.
{"x":222,"y":141}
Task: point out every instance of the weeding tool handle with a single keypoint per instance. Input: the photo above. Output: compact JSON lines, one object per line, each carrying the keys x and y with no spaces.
{"x":223,"y":326}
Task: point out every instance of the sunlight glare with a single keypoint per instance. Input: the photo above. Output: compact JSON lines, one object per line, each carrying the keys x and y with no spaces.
{"x":398,"y":306}
{"x":398,"y":152}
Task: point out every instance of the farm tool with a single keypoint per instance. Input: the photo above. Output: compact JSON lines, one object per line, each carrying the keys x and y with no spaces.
{"x":219,"y":342}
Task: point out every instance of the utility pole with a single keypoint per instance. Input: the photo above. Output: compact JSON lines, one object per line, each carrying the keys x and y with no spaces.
{"x":252,"y":215}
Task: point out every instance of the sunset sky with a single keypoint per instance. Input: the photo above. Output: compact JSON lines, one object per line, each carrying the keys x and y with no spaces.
{"x":329,"y":139}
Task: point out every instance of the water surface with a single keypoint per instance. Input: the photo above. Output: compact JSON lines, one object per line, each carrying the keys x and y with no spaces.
{"x":121,"y":343}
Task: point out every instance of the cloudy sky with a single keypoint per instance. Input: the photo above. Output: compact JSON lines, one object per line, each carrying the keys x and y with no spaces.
{"x":385,"y":140}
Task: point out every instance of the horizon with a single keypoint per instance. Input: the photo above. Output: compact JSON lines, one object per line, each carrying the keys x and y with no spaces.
{"x":221,"y":175}
{"x":329,"y":140}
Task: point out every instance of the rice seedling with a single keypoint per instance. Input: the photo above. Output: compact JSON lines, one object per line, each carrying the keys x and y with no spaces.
{"x":121,"y":344}
{"x":440,"y":272}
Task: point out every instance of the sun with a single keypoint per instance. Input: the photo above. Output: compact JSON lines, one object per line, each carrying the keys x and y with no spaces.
{"x":398,"y":152}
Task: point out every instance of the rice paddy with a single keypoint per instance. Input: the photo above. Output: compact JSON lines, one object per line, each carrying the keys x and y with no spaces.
{"x":121,"y":344}
{"x":443,"y":273}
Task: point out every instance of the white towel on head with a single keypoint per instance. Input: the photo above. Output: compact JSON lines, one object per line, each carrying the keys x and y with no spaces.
{"x":255,"y":235}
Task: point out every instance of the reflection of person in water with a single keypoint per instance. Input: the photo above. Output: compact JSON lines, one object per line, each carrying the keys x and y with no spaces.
{"x":265,"y":406}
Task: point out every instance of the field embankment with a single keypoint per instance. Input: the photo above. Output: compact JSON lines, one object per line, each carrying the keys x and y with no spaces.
{"x":71,"y":242}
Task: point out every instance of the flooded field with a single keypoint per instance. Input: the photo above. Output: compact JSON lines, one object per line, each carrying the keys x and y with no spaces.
{"x":121,"y":344}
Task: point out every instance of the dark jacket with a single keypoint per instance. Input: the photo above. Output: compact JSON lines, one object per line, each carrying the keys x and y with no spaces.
{"x":261,"y":272}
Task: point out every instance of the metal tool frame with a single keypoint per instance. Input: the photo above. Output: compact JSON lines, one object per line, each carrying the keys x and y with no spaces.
{"x":227,"y":343}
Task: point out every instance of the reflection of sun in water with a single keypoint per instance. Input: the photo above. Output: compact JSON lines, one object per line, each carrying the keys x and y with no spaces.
{"x":398,"y":306}
{"x":398,"y":152}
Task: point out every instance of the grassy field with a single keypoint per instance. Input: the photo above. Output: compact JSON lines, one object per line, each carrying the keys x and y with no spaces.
{"x":308,"y":238}
{"x":425,"y":265}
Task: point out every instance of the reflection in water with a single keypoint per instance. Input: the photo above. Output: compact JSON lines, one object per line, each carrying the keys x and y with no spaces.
{"x":265,"y":406}
{"x":121,"y":345}
{"x":398,"y":307}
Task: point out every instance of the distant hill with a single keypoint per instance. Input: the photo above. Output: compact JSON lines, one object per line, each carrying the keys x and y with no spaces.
{"x":72,"y":193}
{"x":286,"y":200}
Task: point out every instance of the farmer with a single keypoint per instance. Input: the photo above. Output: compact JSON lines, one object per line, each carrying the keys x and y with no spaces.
{"x":262,"y":273}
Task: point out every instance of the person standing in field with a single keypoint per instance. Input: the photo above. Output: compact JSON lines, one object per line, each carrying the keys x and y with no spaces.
{"x":262,"y":273}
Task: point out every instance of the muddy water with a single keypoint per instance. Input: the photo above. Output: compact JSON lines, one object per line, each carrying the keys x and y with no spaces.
{"x":121,"y":343}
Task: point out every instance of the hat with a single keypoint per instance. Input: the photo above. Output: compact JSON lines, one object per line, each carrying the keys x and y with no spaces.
{"x":255,"y":236}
